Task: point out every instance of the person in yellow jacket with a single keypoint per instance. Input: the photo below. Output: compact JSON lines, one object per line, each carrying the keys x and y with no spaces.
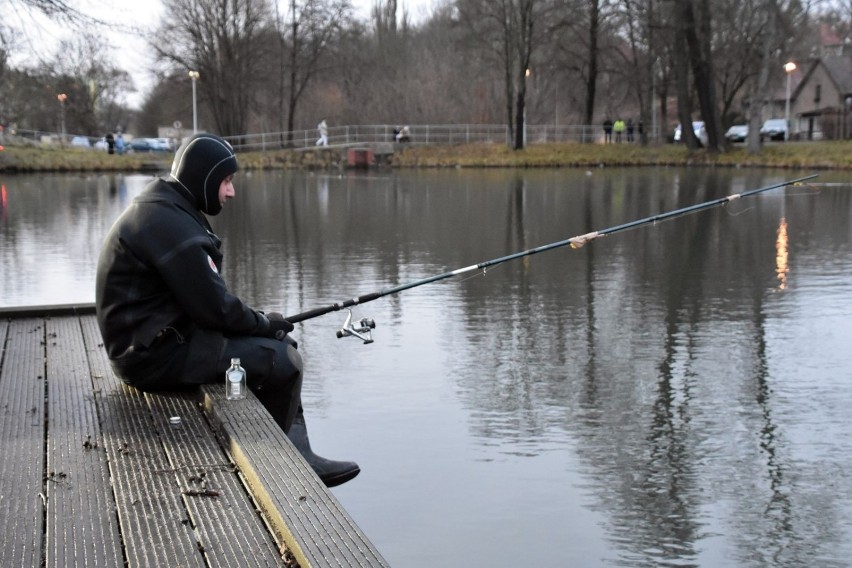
{"x":618,"y":128}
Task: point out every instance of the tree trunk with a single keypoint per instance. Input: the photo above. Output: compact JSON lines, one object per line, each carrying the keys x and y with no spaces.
{"x":680,"y":69}
{"x":520,"y":119}
{"x":697,"y":35}
{"x":755,"y":108}
{"x":592,"y":79}
{"x":294,"y":71}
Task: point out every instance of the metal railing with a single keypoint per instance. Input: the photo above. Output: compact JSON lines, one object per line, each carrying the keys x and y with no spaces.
{"x":373,"y":134}
{"x":47,"y":138}
{"x":353,"y":135}
{"x":441,"y":134}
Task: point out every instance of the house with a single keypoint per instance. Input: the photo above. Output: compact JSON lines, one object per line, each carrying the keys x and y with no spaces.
{"x":821,"y":99}
{"x":820,"y":95}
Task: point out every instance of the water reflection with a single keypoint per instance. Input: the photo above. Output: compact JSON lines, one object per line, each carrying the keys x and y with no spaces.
{"x":52,"y":228}
{"x":675,"y":395}
{"x":781,"y":258}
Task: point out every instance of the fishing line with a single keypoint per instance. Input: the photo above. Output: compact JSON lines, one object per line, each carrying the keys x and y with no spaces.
{"x":476,"y":275}
{"x":732,"y":213}
{"x":362,"y":328}
{"x":809,"y":190}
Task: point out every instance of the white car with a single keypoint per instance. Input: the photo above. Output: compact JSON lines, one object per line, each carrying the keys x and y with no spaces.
{"x":698,"y":128}
{"x":774,"y":129}
{"x":737,"y":133}
{"x":80,"y":142}
{"x":163,"y":144}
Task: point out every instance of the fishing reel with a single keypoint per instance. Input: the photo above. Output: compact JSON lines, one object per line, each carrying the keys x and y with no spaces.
{"x":362,"y":329}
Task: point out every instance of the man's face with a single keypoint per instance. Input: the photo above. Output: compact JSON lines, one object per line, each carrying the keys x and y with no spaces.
{"x":226,"y":189}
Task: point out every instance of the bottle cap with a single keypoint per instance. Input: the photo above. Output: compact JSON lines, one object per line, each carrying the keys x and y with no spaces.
{"x":235,"y":360}
{"x":174,"y":420}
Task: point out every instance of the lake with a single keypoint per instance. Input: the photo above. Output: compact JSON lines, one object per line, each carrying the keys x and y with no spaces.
{"x":674,"y":395}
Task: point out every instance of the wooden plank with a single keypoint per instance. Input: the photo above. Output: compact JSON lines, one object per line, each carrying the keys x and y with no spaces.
{"x":302,"y":511}
{"x":228,"y":527}
{"x":81,"y":525}
{"x":114,"y":472}
{"x":52,"y":310}
{"x":151,"y":513}
{"x":22,"y":388}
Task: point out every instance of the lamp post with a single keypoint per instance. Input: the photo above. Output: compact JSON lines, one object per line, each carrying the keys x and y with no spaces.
{"x":194,"y":75}
{"x":845,"y":116}
{"x":789,"y":67}
{"x":654,"y":67}
{"x":62,"y":97}
{"x":527,"y":74}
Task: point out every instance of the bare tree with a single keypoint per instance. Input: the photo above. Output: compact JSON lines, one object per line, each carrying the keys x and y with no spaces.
{"x":641,"y":24}
{"x":594,"y":11}
{"x":392,"y":52}
{"x":511,"y":30}
{"x":682,"y":82}
{"x":93,"y":85}
{"x":586,"y":44}
{"x":221,"y":40}
{"x":766,"y":14}
{"x":694,"y":19}
{"x":585,"y":50}
{"x":387,"y":19}
{"x":59,"y":10}
{"x":4,"y":56}
{"x":416,"y":73}
{"x":776,"y":22}
{"x":737,"y":53}
{"x":305,"y":38}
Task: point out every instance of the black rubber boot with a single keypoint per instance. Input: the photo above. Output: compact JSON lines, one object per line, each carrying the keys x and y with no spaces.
{"x":332,"y":473}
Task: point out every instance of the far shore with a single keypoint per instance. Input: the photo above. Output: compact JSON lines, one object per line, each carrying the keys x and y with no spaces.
{"x":822,"y":155}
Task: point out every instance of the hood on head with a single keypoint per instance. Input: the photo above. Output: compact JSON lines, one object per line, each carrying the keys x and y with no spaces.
{"x":200,"y":165}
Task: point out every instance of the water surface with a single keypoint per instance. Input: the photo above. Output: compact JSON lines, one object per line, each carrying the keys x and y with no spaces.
{"x":675,"y":395}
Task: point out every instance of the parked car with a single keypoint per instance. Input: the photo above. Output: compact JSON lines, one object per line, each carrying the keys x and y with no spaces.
{"x":698,"y":128}
{"x":163,"y":144}
{"x":80,"y":142}
{"x":140,"y":145}
{"x":737,"y":133}
{"x":146,"y":145}
{"x":774,"y":129}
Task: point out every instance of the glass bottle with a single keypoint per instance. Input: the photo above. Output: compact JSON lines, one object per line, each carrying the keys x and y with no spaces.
{"x":235,"y":381}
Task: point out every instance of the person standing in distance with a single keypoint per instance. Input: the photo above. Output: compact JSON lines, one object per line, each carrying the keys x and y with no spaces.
{"x":165,"y":314}
{"x":323,"y":133}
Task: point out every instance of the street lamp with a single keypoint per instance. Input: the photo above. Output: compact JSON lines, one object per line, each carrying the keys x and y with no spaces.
{"x":527,"y":74}
{"x":194,"y":75}
{"x":62,"y":97}
{"x":845,"y":116}
{"x":789,"y":67}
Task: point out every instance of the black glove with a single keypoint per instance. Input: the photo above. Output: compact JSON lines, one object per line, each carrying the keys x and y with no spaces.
{"x":278,"y":326}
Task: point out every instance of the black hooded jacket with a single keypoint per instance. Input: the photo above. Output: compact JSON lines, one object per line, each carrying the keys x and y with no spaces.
{"x":159,"y":265}
{"x":200,"y":165}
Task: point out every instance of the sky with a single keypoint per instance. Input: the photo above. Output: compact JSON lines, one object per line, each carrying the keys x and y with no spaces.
{"x":130,"y":50}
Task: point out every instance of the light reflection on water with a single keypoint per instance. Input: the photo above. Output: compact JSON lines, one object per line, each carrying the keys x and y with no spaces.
{"x":676,"y":395}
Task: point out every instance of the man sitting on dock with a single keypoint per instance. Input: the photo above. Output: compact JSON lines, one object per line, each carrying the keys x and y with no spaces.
{"x":166,"y":316}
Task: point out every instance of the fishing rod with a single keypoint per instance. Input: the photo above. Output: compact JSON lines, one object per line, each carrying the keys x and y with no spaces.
{"x":362,"y":329}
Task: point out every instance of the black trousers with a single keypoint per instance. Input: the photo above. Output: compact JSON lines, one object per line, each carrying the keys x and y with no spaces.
{"x":273,"y":373}
{"x":201,"y":356}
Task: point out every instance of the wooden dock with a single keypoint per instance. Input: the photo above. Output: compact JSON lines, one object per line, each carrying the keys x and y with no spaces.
{"x":93,"y":472}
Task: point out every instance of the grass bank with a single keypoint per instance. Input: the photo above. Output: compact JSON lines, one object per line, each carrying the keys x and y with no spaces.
{"x":811,"y":155}
{"x":28,"y":158}
{"x":800,"y":155}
